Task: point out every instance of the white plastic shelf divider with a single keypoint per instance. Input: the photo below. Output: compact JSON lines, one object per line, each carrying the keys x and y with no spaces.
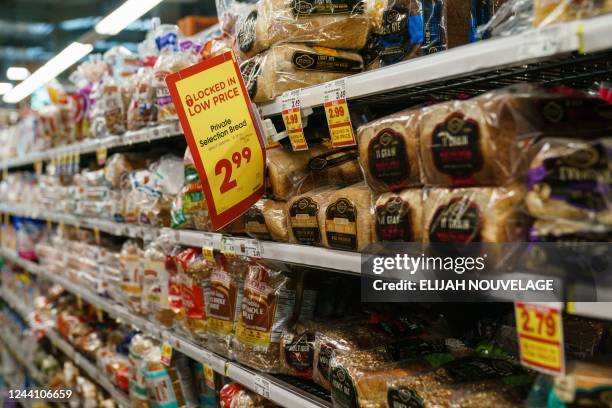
{"x":342,"y":261}
{"x":92,"y":371}
{"x":129,"y":138}
{"x":277,"y":391}
{"x":556,"y":40}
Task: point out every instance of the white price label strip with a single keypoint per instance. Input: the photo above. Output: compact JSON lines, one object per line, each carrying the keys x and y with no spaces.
{"x":229,"y":246}
{"x":252,"y":248}
{"x":262,"y":386}
{"x":334,"y":90}
{"x":541,"y":42}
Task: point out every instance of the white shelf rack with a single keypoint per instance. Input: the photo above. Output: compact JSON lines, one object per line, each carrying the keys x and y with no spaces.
{"x":88,"y":367}
{"x":272,"y":388}
{"x":12,"y":344}
{"x":536,"y":44}
{"x":129,"y":138}
{"x":342,"y":261}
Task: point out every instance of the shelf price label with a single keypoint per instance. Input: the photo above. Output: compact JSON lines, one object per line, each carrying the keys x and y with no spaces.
{"x":292,"y":116}
{"x":166,"y":354}
{"x":223,"y":134}
{"x":337,"y":113}
{"x":262,"y":386}
{"x":101,"y":154}
{"x":38,"y":167}
{"x":540,"y":336}
{"x":207,"y":252}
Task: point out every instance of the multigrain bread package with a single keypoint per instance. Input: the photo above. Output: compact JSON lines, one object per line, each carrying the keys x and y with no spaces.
{"x":359,"y":378}
{"x":226,"y":290}
{"x":291,"y":173}
{"x":389,"y":151}
{"x":571,"y":179}
{"x":399,"y":216}
{"x":290,"y":66}
{"x":267,"y":220}
{"x":342,"y":24}
{"x":156,"y":282}
{"x":482,"y":141}
{"x":477,"y":214}
{"x":303,"y":216}
{"x":471,"y":381}
{"x":346,"y":221}
{"x":297,"y":349}
{"x":269,"y":303}
{"x":403,"y":29}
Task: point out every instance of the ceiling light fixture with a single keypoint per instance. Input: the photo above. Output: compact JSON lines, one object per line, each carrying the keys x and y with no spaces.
{"x":17,"y":73}
{"x":125,"y":14}
{"x":5,"y":87}
{"x":55,"y":66}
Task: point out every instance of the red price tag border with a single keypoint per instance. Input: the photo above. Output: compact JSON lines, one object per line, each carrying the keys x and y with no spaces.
{"x":526,"y":361}
{"x":218,"y":220}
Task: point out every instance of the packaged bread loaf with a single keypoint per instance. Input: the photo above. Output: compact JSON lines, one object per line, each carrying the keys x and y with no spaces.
{"x":290,"y":66}
{"x":303,"y":216}
{"x":477,"y":214}
{"x":585,"y":384}
{"x":403,"y":29}
{"x":399,"y":216}
{"x":139,"y":347}
{"x":335,"y":25}
{"x":329,"y":166}
{"x":297,"y":349}
{"x":155,"y":298}
{"x":226,"y":290}
{"x":267,"y":220}
{"x":347,"y":221}
{"x":194,"y":274}
{"x":359,"y":378}
{"x":132,"y":273}
{"x":571,"y":179}
{"x":175,"y":298}
{"x":480,"y":141}
{"x":287,"y":171}
{"x":549,"y":230}
{"x":268,"y":307}
{"x":478,"y":377}
{"x":389,"y":151}
{"x":548,"y":12}
{"x":162,"y":381}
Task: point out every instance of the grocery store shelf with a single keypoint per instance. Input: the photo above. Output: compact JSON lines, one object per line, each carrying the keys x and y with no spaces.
{"x":528,"y":52}
{"x":89,"y":368}
{"x":90,"y":146}
{"x":272,"y":388}
{"x":342,"y":261}
{"x":12,"y":345}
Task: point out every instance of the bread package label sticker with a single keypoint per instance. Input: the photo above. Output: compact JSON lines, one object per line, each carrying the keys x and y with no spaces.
{"x":166,"y":354}
{"x":337,"y":113}
{"x":393,"y":222}
{"x":341,"y":225}
{"x":292,"y":116}
{"x":304,"y":224}
{"x":540,"y":336}
{"x":387,"y":159}
{"x":223,"y":133}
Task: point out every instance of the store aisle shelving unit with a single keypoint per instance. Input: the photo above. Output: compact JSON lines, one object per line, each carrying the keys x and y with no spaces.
{"x":269,"y":386}
{"x":342,"y":261}
{"x":81,"y":361}
{"x":571,"y":53}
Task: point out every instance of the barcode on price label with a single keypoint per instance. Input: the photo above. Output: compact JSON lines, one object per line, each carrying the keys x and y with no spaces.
{"x":262,"y":386}
{"x":292,"y":117}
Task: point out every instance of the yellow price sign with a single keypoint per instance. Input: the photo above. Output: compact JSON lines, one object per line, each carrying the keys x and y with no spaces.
{"x":222,"y":131}
{"x":208,"y":253}
{"x":166,"y":354}
{"x":101,"y":154}
{"x":292,"y":117}
{"x":38,"y":167}
{"x":209,"y":376}
{"x":540,"y":335}
{"x":337,"y":113}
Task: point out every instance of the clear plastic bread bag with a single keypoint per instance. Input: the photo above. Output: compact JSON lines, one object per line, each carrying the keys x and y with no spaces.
{"x":141,"y":107}
{"x":339,"y":26}
{"x":112,"y":102}
{"x":162,"y":381}
{"x":226,"y":290}
{"x":571,"y":179}
{"x":482,"y":140}
{"x":290,"y":66}
{"x":131,"y":257}
{"x":268,"y":307}
{"x":547,"y":12}
{"x":156,"y":282}
{"x":389,"y":151}
{"x":267,"y":220}
{"x":139,"y":347}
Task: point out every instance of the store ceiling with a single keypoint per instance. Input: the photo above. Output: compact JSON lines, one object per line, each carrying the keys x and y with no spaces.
{"x":32,"y":31}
